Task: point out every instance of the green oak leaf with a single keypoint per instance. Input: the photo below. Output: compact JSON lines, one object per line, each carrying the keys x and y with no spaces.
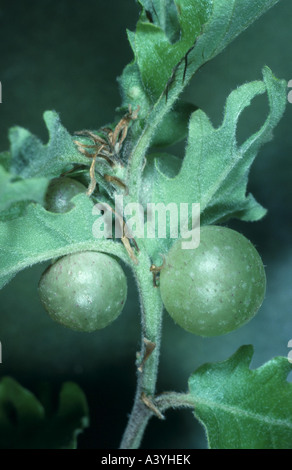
{"x":26,"y":170}
{"x":206,"y":28}
{"x":208,"y":25}
{"x":228,"y":19}
{"x":242,"y":408}
{"x":215,"y":169}
{"x":26,"y":424}
{"x":38,"y":235}
{"x":174,"y":126}
{"x":31,"y":158}
{"x":163,"y":13}
{"x":165,"y":163}
{"x":161,"y":69}
{"x":156,"y":56}
{"x":14,"y":189}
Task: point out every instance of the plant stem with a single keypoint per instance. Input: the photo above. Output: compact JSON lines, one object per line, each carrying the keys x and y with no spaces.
{"x":151,"y":318}
{"x":151,"y":304}
{"x":174,"y":400}
{"x":137,"y":156}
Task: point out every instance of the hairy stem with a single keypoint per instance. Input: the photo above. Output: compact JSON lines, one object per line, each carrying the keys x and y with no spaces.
{"x":138,"y":153}
{"x":151,"y":317}
{"x":151,"y":304}
{"x":174,"y":400}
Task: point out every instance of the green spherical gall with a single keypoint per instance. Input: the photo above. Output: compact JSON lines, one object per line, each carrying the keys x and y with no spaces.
{"x":215,"y":288}
{"x":60,"y":192}
{"x":84,"y":291}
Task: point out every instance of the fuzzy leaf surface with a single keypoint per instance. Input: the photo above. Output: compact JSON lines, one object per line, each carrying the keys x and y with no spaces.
{"x":31,"y":158}
{"x":15,"y":189}
{"x":242,"y":408}
{"x":39,"y":235}
{"x":27,"y":168}
{"x":215,"y":169}
{"x":173,"y":39}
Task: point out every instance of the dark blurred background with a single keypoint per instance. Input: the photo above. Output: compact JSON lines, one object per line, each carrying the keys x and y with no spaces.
{"x":66,"y":55}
